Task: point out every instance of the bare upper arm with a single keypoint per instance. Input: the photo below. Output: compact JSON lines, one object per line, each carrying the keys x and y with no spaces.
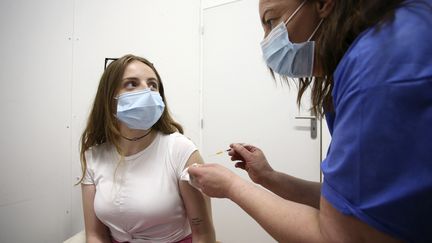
{"x":95,"y":230}
{"x":198,"y":206}
{"x":338,"y":227}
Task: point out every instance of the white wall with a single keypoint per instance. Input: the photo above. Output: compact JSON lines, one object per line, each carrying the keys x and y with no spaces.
{"x":35,"y":107}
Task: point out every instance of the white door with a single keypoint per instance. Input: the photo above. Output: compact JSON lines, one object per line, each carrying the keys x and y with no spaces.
{"x":241,"y":103}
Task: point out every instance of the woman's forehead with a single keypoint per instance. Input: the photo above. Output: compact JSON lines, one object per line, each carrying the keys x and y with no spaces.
{"x":137,"y":68}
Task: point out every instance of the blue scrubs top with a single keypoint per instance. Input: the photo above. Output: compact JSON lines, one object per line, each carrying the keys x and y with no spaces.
{"x":379,"y":164}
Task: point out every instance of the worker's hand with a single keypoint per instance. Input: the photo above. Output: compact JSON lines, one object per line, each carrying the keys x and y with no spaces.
{"x":252,"y":160}
{"x":213,"y":179}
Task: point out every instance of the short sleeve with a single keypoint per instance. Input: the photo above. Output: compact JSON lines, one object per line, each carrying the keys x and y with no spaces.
{"x":88,"y":173}
{"x":182,"y":149}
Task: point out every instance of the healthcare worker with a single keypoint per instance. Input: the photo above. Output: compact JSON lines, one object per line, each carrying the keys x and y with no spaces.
{"x":370,"y":67}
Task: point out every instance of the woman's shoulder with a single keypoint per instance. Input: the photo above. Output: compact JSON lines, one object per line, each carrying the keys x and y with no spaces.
{"x":176,"y":138}
{"x":177,"y":144}
{"x":94,"y":153}
{"x":100,"y":148}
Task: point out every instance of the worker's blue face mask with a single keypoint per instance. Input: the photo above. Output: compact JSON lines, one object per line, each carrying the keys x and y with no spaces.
{"x":293,"y":60}
{"x":140,"y":109}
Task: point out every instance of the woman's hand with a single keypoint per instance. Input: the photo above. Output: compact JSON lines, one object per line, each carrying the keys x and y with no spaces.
{"x":213,"y":179}
{"x":252,"y":160}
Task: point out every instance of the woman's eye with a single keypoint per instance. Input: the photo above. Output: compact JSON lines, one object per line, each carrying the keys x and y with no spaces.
{"x":130,"y":85}
{"x":152,"y":86}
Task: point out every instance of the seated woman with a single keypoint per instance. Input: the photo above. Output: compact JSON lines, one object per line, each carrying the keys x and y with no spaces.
{"x":132,"y":155}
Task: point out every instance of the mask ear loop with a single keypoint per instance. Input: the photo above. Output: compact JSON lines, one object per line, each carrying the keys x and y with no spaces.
{"x":267,"y":38}
{"x":316,"y":29}
{"x":295,"y":12}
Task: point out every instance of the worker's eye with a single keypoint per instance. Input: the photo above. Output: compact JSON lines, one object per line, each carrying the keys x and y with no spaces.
{"x":270,"y":23}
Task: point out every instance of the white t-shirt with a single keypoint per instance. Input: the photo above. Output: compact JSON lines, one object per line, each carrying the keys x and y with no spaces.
{"x":143,"y":204}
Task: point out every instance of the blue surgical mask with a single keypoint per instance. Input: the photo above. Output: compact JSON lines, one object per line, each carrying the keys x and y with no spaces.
{"x":294,"y":60}
{"x":141,"y":109}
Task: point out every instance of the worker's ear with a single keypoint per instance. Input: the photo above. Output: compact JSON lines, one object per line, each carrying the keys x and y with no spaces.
{"x":324,"y":7}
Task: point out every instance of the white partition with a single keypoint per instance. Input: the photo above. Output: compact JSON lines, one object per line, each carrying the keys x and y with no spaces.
{"x":35,"y":107}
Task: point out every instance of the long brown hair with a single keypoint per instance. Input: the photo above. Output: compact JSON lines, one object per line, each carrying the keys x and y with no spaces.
{"x":102,"y":125}
{"x":347,"y":20}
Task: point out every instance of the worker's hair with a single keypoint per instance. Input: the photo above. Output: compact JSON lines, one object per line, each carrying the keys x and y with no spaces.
{"x":102,"y":125}
{"x":346,"y":21}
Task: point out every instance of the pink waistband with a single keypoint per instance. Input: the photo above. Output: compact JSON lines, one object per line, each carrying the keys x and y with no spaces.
{"x":188,"y":239}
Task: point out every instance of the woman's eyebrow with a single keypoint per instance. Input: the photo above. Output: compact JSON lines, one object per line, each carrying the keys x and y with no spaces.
{"x":130,"y":78}
{"x":153,"y":80}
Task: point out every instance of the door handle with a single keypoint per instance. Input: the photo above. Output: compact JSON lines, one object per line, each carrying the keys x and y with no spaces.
{"x":313,"y":120}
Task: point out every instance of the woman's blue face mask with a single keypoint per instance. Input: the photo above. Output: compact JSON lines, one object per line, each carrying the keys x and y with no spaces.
{"x":140,"y":109}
